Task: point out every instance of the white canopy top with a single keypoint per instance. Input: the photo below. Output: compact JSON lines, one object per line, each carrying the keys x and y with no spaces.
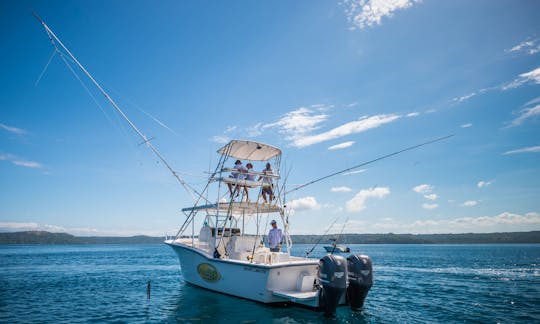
{"x":249,"y":150}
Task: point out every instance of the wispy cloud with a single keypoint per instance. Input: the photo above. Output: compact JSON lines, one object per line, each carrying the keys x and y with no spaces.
{"x":528,"y":46}
{"x":531,"y":76}
{"x":463,"y":98}
{"x":431,"y":196}
{"x":302,"y":204}
{"x":530,"y":149}
{"x":19,"y":161}
{"x":340,"y":189}
{"x":470,"y":203}
{"x":482,"y":184}
{"x":429,"y":206}
{"x":413,"y":114}
{"x":367,"y":13}
{"x":466,"y":125}
{"x":297,"y":123}
{"x":527,"y":113}
{"x":12,"y":129}
{"x":221,"y":139}
{"x":363,"y":124}
{"x":358,"y":202}
{"x":423,"y":188}
{"x":355,"y":172}
{"x":341,"y":145}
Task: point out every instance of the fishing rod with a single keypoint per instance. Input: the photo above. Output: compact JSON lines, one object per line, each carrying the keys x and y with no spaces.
{"x":54,"y":40}
{"x":324,"y":234}
{"x":369,"y":162}
{"x":339,"y":236}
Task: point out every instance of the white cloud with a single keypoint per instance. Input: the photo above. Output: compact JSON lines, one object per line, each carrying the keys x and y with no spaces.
{"x":363,"y":124}
{"x":525,"y":114}
{"x":431,"y":196}
{"x":340,"y":189}
{"x":359,"y":200}
{"x":413,"y":114}
{"x":505,"y":218}
{"x":423,"y":188}
{"x":482,"y":184}
{"x":530,"y":47}
{"x":531,"y":149}
{"x":504,"y":222}
{"x":470,"y":203}
{"x":255,"y":130}
{"x":367,"y":13}
{"x":11,"y":129}
{"x":221,"y":139}
{"x":466,"y":125}
{"x":355,"y":172}
{"x":230,"y":129}
{"x":341,"y":145}
{"x":18,"y":161}
{"x":298,"y":123}
{"x":463,"y":98}
{"x":531,"y":76}
{"x":79,"y":231}
{"x":429,"y":206}
{"x":305,"y":203}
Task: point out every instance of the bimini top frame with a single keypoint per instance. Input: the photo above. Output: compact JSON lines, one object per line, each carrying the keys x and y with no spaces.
{"x":249,"y":150}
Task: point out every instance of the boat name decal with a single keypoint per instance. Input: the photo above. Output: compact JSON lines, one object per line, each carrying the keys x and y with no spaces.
{"x":208,"y":272}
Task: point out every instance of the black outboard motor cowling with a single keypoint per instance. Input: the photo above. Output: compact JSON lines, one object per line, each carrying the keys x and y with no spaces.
{"x":360,"y":273}
{"x":332,"y":276}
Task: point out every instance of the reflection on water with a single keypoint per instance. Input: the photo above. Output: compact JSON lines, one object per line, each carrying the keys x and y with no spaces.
{"x":413,"y":283}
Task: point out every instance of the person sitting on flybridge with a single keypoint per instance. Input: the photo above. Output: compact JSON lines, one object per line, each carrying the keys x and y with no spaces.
{"x":275,"y":237}
{"x":267,"y":182}
{"x":237,"y":173}
{"x":250,"y":176}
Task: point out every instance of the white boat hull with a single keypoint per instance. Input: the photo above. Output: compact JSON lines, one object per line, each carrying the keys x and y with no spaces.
{"x":265,"y":283}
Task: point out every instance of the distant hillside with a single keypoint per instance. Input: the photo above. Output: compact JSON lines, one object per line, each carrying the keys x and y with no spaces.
{"x":468,"y":238}
{"x":42,"y":237}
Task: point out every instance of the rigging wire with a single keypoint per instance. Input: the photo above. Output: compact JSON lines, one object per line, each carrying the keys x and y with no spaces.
{"x":52,"y":37}
{"x":369,"y":162}
{"x":45,"y":68}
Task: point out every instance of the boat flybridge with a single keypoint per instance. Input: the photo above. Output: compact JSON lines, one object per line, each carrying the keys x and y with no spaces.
{"x":222,"y":257}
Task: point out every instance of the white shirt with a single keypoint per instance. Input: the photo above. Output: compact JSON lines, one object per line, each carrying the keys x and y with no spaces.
{"x":239,"y":172}
{"x":274,"y":237}
{"x":267,"y":180}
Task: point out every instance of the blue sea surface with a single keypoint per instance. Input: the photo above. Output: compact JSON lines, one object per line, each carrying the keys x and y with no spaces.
{"x":413,"y":283}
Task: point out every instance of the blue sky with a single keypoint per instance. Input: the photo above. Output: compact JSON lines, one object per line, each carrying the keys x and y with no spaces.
{"x":331,"y":83}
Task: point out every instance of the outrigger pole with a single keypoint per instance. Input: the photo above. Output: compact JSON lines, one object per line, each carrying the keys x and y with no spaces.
{"x":369,"y":162}
{"x":146,"y":140}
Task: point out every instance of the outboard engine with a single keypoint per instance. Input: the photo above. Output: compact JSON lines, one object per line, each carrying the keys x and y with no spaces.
{"x":360,"y":273}
{"x":332,"y":276}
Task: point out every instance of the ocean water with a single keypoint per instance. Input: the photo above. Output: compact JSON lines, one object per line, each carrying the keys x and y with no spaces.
{"x":413,"y":283}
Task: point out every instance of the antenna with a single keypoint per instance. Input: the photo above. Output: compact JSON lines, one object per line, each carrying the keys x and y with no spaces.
{"x":53,"y":38}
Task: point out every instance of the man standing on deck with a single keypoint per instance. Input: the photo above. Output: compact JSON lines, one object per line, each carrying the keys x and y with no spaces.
{"x":275,"y":237}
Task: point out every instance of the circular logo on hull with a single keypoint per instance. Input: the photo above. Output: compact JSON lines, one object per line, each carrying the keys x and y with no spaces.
{"x":208,"y":272}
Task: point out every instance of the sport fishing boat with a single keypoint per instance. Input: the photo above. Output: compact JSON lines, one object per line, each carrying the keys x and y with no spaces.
{"x":334,"y":247}
{"x":222,"y":257}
